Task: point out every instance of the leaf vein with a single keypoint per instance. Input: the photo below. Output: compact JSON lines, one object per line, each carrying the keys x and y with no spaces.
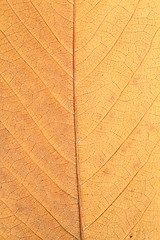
{"x":124,"y":140}
{"x":126,"y":185}
{"x":37,"y":39}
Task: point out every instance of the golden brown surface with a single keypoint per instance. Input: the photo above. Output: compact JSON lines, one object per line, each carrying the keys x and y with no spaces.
{"x":80,"y":119}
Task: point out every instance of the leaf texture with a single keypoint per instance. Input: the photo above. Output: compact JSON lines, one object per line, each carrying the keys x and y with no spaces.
{"x":80,"y":119}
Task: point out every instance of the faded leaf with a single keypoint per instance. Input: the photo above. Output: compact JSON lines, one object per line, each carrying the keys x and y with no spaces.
{"x":80,"y":120}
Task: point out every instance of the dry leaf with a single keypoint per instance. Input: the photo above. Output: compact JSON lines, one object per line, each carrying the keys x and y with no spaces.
{"x":80,"y":119}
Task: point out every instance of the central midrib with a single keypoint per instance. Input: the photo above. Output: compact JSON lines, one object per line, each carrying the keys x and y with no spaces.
{"x":75,"y":129}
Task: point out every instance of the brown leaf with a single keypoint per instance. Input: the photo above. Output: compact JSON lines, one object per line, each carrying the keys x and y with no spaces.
{"x":80,"y":120}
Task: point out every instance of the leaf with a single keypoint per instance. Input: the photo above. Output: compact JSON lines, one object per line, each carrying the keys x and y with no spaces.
{"x":80,"y":120}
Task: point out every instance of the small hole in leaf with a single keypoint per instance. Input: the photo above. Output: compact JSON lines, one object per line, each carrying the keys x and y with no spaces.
{"x":131,"y":236}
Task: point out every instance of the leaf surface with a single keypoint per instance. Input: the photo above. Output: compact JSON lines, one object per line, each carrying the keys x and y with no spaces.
{"x":80,"y":120}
